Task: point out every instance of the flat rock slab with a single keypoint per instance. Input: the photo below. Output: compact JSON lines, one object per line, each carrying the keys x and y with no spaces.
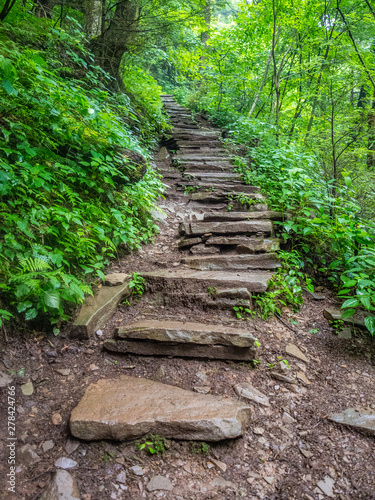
{"x":189,"y":242}
{"x":226,"y":228}
{"x":256,"y":281}
{"x":198,"y":155}
{"x":361,"y":420}
{"x":223,"y":187}
{"x":295,"y":351}
{"x":116,"y":279}
{"x":333,"y":314}
{"x":97,"y":310}
{"x":63,"y":486}
{"x":209,"y":197}
{"x":200,"y":133}
{"x":236,"y":216}
{"x":249,"y":392}
{"x":217,"y":176}
{"x":265,"y":245}
{"x":212,"y":144}
{"x":239,"y":262}
{"x":181,"y":350}
{"x":130,"y":407}
{"x":190,"y":333}
{"x":203,"y":250}
{"x":245,"y":244}
{"x":157,"y":483}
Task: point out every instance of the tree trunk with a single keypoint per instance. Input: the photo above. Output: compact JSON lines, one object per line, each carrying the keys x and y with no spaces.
{"x":371,"y":136}
{"x":93,"y":18}
{"x":257,"y":95}
{"x":110,"y":46}
{"x":205,"y":35}
{"x":44,"y":8}
{"x":7,"y":7}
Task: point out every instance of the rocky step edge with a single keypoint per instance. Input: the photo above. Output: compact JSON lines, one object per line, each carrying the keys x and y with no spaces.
{"x":187,"y":280}
{"x":226,"y":228}
{"x":219,"y":299}
{"x":225,"y":187}
{"x":129,"y":408}
{"x":232,"y":262}
{"x":96,"y":310}
{"x":241,"y":244}
{"x":191,"y":340}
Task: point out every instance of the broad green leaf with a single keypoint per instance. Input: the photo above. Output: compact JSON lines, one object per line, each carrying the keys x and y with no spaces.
{"x":370,"y":324}
{"x":52,"y":299}
{"x":350,"y":303}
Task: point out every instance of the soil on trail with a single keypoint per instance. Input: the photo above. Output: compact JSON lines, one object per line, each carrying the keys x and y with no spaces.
{"x":288,"y":448}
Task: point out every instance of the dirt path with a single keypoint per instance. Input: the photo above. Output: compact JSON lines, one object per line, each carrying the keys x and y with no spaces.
{"x":289,"y":447}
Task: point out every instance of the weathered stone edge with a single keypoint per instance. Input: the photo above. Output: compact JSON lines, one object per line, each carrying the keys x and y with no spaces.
{"x":84,"y":328}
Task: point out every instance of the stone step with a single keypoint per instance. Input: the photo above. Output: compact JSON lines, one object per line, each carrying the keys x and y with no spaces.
{"x":221,"y":186}
{"x":202,"y":162}
{"x":235,"y":216}
{"x":219,"y":196}
{"x":187,"y":126}
{"x":245,"y":245}
{"x":180,"y":116}
{"x":96,"y":310}
{"x":149,"y":348}
{"x":213,"y":176}
{"x":203,"y":150}
{"x":205,"y":167}
{"x":226,"y":228}
{"x":170,"y":174}
{"x":197,"y":135}
{"x":181,"y":279}
{"x":131,"y":407}
{"x":177,"y":108}
{"x":204,"y":301}
{"x":201,"y":157}
{"x":238,"y":262}
{"x":186,"y":333}
{"x":209,"y":145}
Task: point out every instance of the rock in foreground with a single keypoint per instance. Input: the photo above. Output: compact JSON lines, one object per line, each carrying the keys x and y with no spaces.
{"x":62,"y":487}
{"x":131,"y":407}
{"x":362,"y":420}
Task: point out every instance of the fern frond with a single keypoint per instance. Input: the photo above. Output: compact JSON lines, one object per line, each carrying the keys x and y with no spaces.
{"x":34,"y":264}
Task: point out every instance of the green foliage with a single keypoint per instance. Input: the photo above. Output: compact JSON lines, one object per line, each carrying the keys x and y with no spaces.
{"x":137,"y":285}
{"x":285,"y":288}
{"x":68,"y":203}
{"x":279,"y":360}
{"x":242,"y":312}
{"x":199,"y":448}
{"x":153,"y":444}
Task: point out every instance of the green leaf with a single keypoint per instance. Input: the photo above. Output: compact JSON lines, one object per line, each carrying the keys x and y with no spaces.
{"x":366,"y":302}
{"x":22,"y":306}
{"x":350,"y":303}
{"x":347,"y":314}
{"x":8,"y":87}
{"x":52,"y":299}
{"x":370,"y":324}
{"x":31,"y":314}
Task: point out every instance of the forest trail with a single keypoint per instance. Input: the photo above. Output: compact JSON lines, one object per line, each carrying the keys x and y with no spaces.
{"x":182,"y":334}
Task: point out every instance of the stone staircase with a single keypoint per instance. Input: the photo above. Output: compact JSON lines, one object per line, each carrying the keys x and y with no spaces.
{"x":225,"y":253}
{"x":225,"y":247}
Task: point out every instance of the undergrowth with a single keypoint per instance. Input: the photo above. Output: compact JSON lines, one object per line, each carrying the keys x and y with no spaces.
{"x":72,"y":197}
